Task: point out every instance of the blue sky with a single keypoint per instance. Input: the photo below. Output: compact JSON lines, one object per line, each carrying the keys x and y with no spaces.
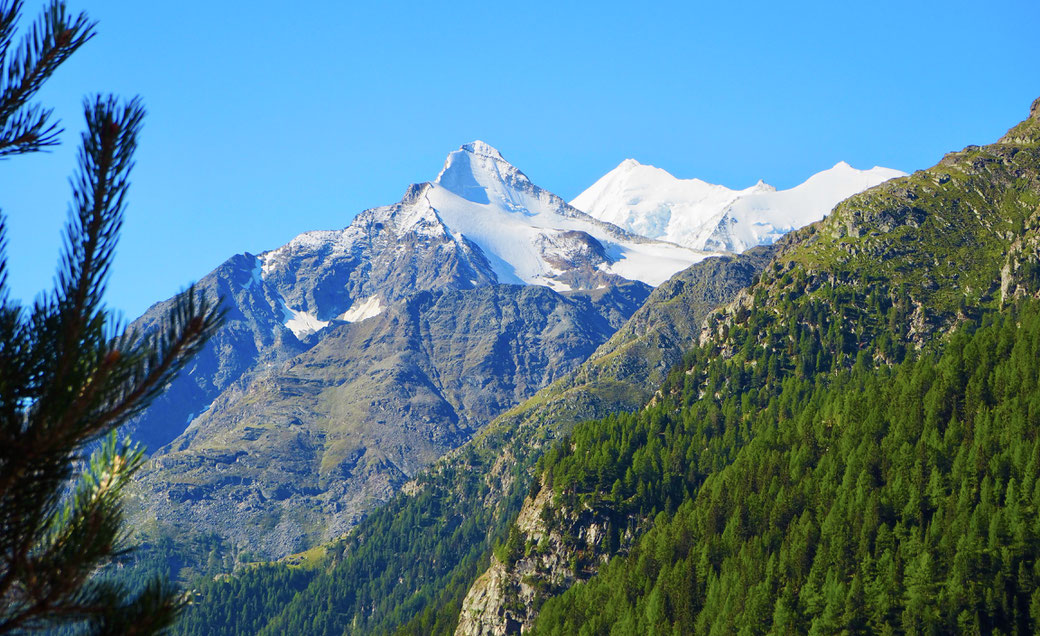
{"x":268,"y":121}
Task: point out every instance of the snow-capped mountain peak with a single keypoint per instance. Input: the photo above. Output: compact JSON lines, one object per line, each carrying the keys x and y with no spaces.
{"x":530,"y":235}
{"x":481,"y":221}
{"x":762,"y":186}
{"x":477,"y":172}
{"x":701,"y":215}
{"x":651,"y":202}
{"x":483,"y":149}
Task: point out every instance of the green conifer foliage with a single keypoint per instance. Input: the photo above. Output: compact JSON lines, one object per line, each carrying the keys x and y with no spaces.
{"x":69,"y":375}
{"x":887,"y":504}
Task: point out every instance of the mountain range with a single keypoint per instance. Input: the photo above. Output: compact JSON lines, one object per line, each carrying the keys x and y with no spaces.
{"x":833,"y":433}
{"x":704,"y":216}
{"x":352,"y":359}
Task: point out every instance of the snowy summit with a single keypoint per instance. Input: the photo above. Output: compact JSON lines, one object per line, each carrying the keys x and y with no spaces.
{"x":704,"y":216}
{"x":480,"y":222}
{"x":530,"y":235}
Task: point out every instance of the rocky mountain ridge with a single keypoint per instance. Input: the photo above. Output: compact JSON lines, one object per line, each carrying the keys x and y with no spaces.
{"x":338,"y":376}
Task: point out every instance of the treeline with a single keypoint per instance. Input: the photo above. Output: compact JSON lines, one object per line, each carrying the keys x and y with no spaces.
{"x":880,"y":500}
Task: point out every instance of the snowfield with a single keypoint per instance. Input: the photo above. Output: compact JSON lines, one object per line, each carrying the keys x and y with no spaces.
{"x":704,"y":216}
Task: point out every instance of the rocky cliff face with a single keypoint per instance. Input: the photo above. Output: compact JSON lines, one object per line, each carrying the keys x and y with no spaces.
{"x":550,"y":549}
{"x":300,"y":450}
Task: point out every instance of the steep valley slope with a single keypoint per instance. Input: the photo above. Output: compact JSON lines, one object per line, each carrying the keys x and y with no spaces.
{"x":880,"y":282}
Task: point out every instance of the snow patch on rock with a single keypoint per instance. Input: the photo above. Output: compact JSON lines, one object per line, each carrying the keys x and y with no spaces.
{"x":300,"y":323}
{"x":363,"y":309}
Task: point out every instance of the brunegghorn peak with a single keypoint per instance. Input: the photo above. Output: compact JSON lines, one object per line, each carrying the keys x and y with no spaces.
{"x":699,"y":215}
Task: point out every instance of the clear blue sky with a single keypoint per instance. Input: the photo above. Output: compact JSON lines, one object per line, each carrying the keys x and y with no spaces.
{"x":266,"y":121}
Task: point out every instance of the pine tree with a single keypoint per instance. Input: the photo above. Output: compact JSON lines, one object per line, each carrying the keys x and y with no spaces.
{"x":70,"y":376}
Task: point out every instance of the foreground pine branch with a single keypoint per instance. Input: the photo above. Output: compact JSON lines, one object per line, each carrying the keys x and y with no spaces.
{"x":70,"y":376}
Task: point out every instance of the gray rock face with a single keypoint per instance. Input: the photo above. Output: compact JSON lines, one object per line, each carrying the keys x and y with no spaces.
{"x":353,"y":358}
{"x":388,"y":253}
{"x":253,"y":334}
{"x":299,"y":449}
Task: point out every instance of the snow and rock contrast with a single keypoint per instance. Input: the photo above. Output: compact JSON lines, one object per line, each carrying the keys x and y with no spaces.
{"x":480,"y":222}
{"x":700,"y":215}
{"x":532,"y":236}
{"x":352,"y":358}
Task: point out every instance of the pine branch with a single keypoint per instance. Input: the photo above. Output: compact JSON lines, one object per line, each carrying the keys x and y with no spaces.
{"x":72,"y":325}
{"x":55,"y":584}
{"x":134,"y":371}
{"x":50,"y":41}
{"x":65,"y":381}
{"x":13,"y":351}
{"x":9,"y":12}
{"x":28,"y":130}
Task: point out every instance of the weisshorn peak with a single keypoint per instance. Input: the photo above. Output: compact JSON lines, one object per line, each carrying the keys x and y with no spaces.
{"x":704,"y":216}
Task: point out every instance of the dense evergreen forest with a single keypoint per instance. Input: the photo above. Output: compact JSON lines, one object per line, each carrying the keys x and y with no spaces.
{"x":897,"y":499}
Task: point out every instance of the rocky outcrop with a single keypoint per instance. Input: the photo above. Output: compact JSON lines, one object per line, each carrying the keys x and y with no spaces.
{"x":550,"y":548}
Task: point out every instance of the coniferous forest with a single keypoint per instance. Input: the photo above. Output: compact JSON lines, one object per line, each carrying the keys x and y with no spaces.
{"x":895,"y":500}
